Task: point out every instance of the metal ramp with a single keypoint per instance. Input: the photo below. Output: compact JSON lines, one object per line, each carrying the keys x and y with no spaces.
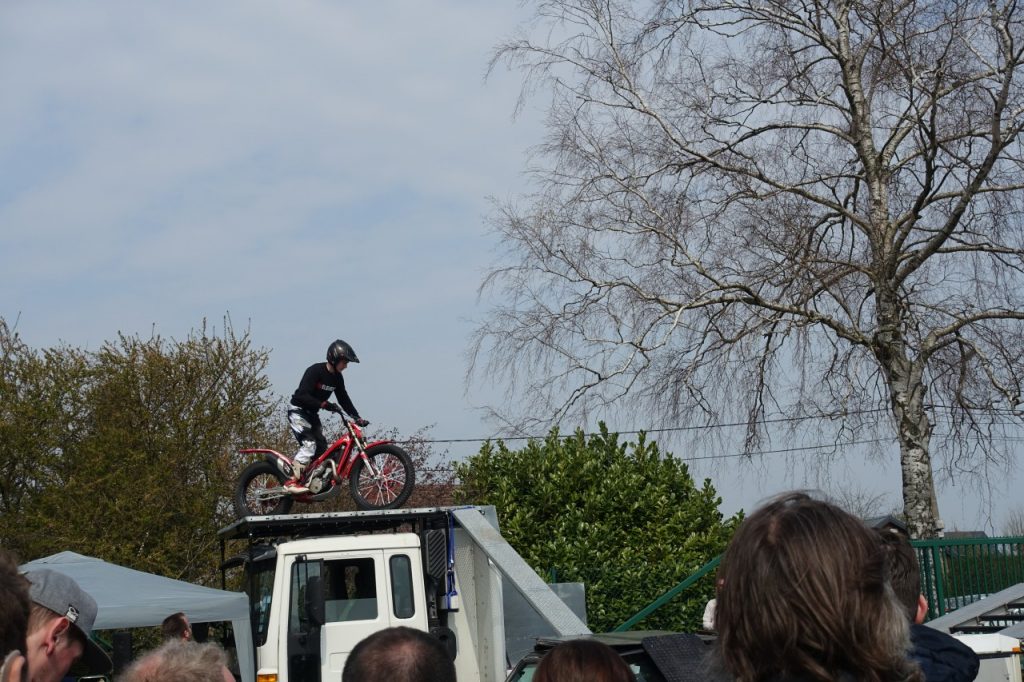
{"x":992,"y":628}
{"x":999,"y":613}
{"x":518,"y":574}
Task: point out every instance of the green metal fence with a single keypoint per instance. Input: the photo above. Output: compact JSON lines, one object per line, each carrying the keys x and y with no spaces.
{"x":956,"y":572}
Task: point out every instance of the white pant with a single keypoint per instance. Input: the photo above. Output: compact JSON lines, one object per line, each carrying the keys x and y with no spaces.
{"x":303,"y":431}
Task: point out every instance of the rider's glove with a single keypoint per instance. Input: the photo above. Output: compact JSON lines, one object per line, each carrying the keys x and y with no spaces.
{"x":362,"y":422}
{"x":331,"y":407}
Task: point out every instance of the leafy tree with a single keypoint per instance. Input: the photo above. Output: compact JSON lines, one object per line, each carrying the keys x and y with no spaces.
{"x":38,"y":401}
{"x":139,"y":441}
{"x":623,"y":518}
{"x":763,"y":208}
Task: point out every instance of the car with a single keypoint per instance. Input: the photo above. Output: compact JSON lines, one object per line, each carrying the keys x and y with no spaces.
{"x":652,"y":655}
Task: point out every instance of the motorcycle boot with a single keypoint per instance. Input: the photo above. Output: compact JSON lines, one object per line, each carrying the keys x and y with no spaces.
{"x":294,"y":485}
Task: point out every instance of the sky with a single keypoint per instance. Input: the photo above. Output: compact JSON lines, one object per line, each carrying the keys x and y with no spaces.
{"x":309,"y":169}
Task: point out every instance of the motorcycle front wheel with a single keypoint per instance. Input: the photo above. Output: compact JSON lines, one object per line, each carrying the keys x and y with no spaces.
{"x":260,"y":491}
{"x":385,"y":482}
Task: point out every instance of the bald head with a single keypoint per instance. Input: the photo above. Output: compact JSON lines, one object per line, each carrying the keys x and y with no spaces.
{"x":399,"y":654}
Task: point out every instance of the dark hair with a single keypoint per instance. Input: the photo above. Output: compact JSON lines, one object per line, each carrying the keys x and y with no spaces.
{"x":14,"y":605}
{"x":175,"y":626}
{"x":804,"y":593}
{"x":904,"y":570}
{"x":399,"y":654}
{"x":582,"y":660}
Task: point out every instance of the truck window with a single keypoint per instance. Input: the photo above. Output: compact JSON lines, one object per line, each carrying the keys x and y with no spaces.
{"x":303,"y":641}
{"x":261,"y":589}
{"x":350,"y":589}
{"x":401,"y":586}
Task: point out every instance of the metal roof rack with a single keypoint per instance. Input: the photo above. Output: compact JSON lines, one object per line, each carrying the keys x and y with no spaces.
{"x":332,"y":523}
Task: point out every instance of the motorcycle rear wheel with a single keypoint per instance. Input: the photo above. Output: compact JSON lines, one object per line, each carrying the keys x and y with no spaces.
{"x":256,"y":480}
{"x":392,"y":485}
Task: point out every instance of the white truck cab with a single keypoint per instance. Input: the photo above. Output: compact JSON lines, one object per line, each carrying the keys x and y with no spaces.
{"x":320,"y":583}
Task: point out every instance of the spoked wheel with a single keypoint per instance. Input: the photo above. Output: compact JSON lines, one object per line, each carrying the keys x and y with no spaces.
{"x":385,"y":481}
{"x":260,"y":491}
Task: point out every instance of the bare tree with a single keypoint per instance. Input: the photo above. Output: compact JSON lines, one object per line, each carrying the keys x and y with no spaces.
{"x":1014,"y":524}
{"x":862,"y":502}
{"x":769,"y":207}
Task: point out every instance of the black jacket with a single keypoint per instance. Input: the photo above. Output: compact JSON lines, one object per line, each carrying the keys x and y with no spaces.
{"x":316,"y":387}
{"x":942,"y":658}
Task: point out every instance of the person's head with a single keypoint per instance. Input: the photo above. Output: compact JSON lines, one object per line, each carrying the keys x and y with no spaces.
{"x":904,"y":573}
{"x":59,"y":624}
{"x":176,"y":626}
{"x":179,"y":660}
{"x":14,"y":610}
{"x":399,"y":654}
{"x":14,"y":605}
{"x":339,"y":354}
{"x":582,"y":660}
{"x":804,"y":593}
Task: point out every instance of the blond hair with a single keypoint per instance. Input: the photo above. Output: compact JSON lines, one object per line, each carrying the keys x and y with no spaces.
{"x":178,"y":661}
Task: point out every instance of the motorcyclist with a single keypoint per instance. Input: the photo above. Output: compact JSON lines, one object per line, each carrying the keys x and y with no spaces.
{"x":312,"y":395}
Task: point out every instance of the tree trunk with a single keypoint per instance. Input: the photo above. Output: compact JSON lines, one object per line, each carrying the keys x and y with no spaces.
{"x":919,"y":503}
{"x":905,"y":382}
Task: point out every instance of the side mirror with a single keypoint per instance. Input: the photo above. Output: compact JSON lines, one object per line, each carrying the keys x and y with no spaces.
{"x":315,"y":603}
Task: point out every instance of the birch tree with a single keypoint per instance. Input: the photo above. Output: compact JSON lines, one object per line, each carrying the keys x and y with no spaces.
{"x":768,"y":207}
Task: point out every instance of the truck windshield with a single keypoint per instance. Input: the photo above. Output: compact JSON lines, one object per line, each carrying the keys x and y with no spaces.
{"x":261,"y":590}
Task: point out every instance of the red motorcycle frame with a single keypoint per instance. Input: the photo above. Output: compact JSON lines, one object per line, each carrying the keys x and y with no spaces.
{"x":380,"y":476}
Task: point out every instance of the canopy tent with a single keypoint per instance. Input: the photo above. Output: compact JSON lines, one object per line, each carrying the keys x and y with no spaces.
{"x":128,"y":599}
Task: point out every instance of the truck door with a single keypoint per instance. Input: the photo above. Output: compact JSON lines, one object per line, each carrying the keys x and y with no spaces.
{"x":363,"y":592}
{"x":305,"y":620}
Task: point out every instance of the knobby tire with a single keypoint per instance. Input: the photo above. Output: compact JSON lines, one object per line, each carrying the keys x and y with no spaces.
{"x":257,"y":477}
{"x":394,"y":483}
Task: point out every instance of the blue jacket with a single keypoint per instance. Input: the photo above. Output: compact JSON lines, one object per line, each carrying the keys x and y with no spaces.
{"x":942,"y":657}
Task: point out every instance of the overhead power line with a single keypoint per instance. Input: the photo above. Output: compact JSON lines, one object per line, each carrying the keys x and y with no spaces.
{"x":805,"y":448}
{"x":703,"y":427}
{"x":758,"y":453}
{"x":668,"y":429}
{"x":777,"y":451}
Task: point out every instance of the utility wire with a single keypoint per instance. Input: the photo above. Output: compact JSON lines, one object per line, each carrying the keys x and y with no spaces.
{"x":803,"y":448}
{"x":668,"y":429}
{"x":706,"y":427}
{"x":758,"y":453}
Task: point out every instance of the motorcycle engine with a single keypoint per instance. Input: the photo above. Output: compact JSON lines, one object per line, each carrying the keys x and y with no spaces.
{"x":319,"y":480}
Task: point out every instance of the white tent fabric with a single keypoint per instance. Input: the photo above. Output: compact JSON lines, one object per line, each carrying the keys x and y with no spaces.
{"x":128,"y":599}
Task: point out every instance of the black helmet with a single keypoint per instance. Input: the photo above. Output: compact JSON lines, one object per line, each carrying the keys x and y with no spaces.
{"x":339,"y":350}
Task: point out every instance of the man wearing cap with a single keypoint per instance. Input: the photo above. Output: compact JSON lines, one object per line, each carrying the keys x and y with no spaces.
{"x":59,"y":627}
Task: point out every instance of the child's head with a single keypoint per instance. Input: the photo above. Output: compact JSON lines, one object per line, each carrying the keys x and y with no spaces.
{"x":339,"y":354}
{"x":582,"y":660}
{"x":904,"y":572}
